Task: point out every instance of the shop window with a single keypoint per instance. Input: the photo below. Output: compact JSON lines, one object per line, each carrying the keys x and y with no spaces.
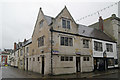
{"x":110,"y":62}
{"x":116,"y":61}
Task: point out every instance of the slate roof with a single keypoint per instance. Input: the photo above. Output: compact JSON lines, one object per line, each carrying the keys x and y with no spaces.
{"x":93,"y":33}
{"x":48,"y":19}
{"x":28,"y":42}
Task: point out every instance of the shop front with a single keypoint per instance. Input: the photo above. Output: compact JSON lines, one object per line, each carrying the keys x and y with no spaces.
{"x":103,"y":63}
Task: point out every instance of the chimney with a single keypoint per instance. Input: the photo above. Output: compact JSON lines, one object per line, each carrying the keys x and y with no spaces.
{"x":15,"y":46}
{"x":24,"y":40}
{"x":100,"y":23}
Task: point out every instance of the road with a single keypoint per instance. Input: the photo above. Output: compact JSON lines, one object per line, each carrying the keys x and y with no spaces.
{"x":10,"y":72}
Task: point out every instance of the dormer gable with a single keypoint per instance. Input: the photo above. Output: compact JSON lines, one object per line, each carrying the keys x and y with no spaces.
{"x":65,"y":22}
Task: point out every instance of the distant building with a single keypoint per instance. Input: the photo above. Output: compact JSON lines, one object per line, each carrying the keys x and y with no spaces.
{"x":21,"y":53}
{"x":0,"y":57}
{"x":5,"y":56}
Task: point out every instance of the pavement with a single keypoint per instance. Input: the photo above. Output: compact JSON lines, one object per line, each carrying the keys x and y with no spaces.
{"x":11,"y":72}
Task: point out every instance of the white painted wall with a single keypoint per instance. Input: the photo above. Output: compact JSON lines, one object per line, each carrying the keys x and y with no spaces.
{"x":16,"y":58}
{"x":100,"y":53}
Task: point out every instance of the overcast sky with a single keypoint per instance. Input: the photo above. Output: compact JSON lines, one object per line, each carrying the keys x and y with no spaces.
{"x":17,"y":18}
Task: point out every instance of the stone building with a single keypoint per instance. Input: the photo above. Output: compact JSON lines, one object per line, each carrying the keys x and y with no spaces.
{"x":61,"y":46}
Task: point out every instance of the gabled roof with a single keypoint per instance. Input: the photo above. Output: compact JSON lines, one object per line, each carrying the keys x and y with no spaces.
{"x":67,"y":11}
{"x":93,"y":33}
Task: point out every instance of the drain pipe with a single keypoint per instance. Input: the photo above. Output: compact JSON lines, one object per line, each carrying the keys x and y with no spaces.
{"x":51,"y":29}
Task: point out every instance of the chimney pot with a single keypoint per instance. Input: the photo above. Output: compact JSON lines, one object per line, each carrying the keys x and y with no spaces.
{"x":100,"y":23}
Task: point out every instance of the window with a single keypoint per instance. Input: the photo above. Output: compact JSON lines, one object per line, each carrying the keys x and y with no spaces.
{"x":116,"y":61}
{"x":66,"y":41}
{"x":109,"y":47}
{"x":66,"y":23}
{"x":41,"y":41}
{"x":33,"y":59}
{"x":63,"y":23}
{"x":62,"y":58}
{"x":66,"y":58}
{"x":85,"y":58}
{"x":85,"y":43}
{"x":70,"y":41}
{"x":21,"y":52}
{"x":38,"y":59}
{"x":26,"y":49}
{"x":110,"y":62}
{"x":98,"y":46}
{"x":41,"y":23}
{"x":71,"y":58}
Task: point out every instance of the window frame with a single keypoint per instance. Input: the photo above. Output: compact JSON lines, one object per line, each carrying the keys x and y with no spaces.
{"x":66,"y":23}
{"x":66,"y":41}
{"x":109,"y":47}
{"x":85,"y":43}
{"x":98,"y":46}
{"x":66,"y":58}
{"x":41,"y":41}
{"x":41,"y":24}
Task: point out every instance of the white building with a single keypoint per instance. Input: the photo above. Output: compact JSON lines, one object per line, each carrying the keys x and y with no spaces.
{"x":104,"y":54}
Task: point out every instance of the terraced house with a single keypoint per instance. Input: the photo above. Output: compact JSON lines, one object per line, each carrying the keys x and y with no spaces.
{"x":111,"y":27}
{"x":20,"y":55}
{"x":61,"y":46}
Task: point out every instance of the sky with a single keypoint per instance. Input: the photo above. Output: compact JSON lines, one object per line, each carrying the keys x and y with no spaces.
{"x":18,"y":17}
